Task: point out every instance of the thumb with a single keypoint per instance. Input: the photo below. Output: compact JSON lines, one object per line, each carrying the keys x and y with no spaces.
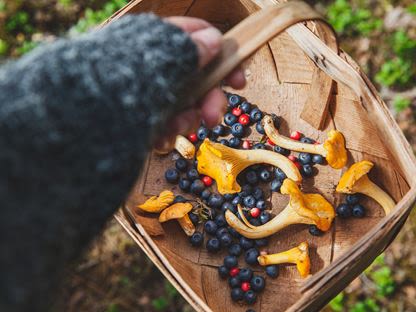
{"x":208,"y":42}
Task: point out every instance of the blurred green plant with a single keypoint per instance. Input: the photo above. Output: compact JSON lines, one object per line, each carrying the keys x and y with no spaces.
{"x":92,"y":18}
{"x":2,"y":6}
{"x":368,"y":305}
{"x":400,"y":103}
{"x":411,"y":8}
{"x":337,"y":304}
{"x":65,"y":3}
{"x":380,"y":273}
{"x":4,"y":47}
{"x":19,"y":22}
{"x":112,"y":307}
{"x":163,"y":302}
{"x":397,"y":71}
{"x":26,"y":47}
{"x":349,"y":21}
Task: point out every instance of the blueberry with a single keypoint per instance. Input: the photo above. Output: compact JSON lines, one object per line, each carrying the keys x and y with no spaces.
{"x":230,"y":262}
{"x":237,"y":130}
{"x":264,"y":217}
{"x":194,"y":218}
{"x":281,"y":150}
{"x":245,"y":274}
{"x":210,"y":227}
{"x":251,"y":256}
{"x":246,"y":190}
{"x":195,"y":164}
{"x":233,"y":100}
{"x":317,"y":159}
{"x":229,"y":196}
{"x":212,"y":214}
{"x":261,"y":242}
{"x":181,"y":164}
{"x":279,"y":174}
{"x":237,"y":294}
{"x":220,"y":220}
{"x":172,"y":175}
{"x":205,"y":194}
{"x":230,"y":119}
{"x":250,"y":297}
{"x":235,"y":250}
{"x":259,"y":128}
{"x":305,"y":158}
{"x":261,"y":204}
{"x":352,"y":199}
{"x":226,"y":240}
{"x":223,"y":271}
{"x":215,"y":201}
{"x":218,"y":130}
{"x":255,"y":222}
{"x":276,"y":120}
{"x":234,"y":282}
{"x":237,"y":200}
{"x":251,"y":177}
{"x":259,"y":146}
{"x":197,"y":187}
{"x":233,"y":233}
{"x":249,"y":201}
{"x":275,"y":185}
{"x":256,"y":115}
{"x":307,"y":140}
{"x":179,"y":199}
{"x":306,"y":170}
{"x":202,"y":133}
{"x":224,"y":142}
{"x":344,"y":211}
{"x":213,"y":245}
{"x":234,"y":142}
{"x":358,"y":211}
{"x":313,"y":230}
{"x":246,"y":243}
{"x":197,"y":239}
{"x":228,"y":206}
{"x":257,"y":283}
{"x":245,"y":107}
{"x":192,"y":174}
{"x":272,"y":270}
{"x":220,"y":232}
{"x":258,"y":193}
{"x":265,"y":175}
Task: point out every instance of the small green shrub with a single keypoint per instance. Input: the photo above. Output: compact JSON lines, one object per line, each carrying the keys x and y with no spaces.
{"x":337,"y":304}
{"x":20,"y":21}
{"x":400,"y":103}
{"x":368,"y":305}
{"x":395,"y":72}
{"x":4,"y":47}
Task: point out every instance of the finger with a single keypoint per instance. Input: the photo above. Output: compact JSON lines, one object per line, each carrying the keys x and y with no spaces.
{"x":213,"y":107}
{"x":208,"y":42}
{"x":188,"y":24}
{"x":236,"y":79}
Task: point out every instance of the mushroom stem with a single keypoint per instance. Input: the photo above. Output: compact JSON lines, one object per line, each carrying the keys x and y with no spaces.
{"x":184,"y":147}
{"x":367,"y":187}
{"x":298,"y":255}
{"x":187,"y":225}
{"x":285,"y":218}
{"x":243,"y":217}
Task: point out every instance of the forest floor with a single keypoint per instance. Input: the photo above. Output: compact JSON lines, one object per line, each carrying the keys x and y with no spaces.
{"x":114,"y":275}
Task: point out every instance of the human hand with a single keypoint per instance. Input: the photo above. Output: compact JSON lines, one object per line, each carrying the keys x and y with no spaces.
{"x":212,"y":106}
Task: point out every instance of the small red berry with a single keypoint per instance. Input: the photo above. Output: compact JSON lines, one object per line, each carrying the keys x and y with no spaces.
{"x":237,"y":111}
{"x":207,"y":180}
{"x":255,"y":212}
{"x":298,"y":164}
{"x":193,"y":138}
{"x":292,"y":158}
{"x":270,"y":142}
{"x":246,"y":144}
{"x":295,"y":161}
{"x":234,"y":272}
{"x":295,"y":135}
{"x":244,"y":119}
{"x":245,"y":286}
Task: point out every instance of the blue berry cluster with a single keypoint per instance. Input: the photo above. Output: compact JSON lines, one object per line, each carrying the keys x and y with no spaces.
{"x":351,"y":207}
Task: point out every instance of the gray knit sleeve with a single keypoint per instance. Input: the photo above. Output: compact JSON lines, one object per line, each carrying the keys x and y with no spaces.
{"x":77,"y":119}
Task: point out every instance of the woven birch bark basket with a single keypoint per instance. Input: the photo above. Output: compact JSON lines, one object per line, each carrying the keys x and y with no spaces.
{"x":294,"y":69}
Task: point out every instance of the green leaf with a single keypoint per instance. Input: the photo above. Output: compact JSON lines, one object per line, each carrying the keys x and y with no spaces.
{"x":160,"y":303}
{"x":112,"y":308}
{"x":337,"y":304}
{"x":4,"y":47}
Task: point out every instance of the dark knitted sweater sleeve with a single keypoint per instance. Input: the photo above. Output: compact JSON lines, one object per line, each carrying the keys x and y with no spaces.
{"x":77,"y":119}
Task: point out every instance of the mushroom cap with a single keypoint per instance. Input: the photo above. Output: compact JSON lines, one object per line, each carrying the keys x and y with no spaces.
{"x":311,"y":206}
{"x":304,"y":262}
{"x":176,"y":211}
{"x":336,"y":153}
{"x":352,"y":175}
{"x":156,"y":204}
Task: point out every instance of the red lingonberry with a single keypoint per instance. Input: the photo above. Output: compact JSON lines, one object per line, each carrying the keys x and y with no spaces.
{"x":246,"y":144}
{"x":245,"y":286}
{"x":244,"y":119}
{"x":193,"y":138}
{"x":255,"y":212}
{"x":270,"y":142}
{"x":207,"y":180}
{"x":295,"y":135}
{"x":237,"y":111}
{"x":234,"y":272}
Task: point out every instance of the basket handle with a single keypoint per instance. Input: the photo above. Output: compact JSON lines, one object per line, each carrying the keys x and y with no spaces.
{"x":248,"y":36}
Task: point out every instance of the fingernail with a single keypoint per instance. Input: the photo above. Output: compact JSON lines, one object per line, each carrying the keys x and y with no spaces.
{"x":210,"y":38}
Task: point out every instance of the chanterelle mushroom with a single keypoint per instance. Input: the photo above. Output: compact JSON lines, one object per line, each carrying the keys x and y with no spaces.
{"x":156,"y":204}
{"x":302,"y":208}
{"x":355,"y":180}
{"x":183,"y":146}
{"x":298,"y":255}
{"x":223,"y":164}
{"x":180,"y":212}
{"x":333,"y":149}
